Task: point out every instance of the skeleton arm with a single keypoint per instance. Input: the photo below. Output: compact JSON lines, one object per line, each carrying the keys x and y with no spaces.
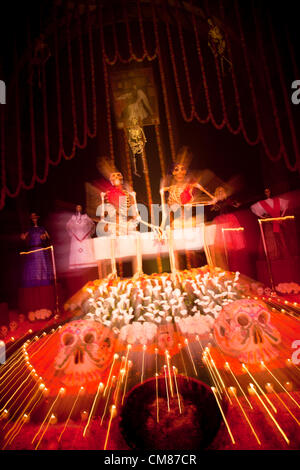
{"x":102,"y":195}
{"x":138,"y":217}
{"x":213,"y":199}
{"x":163,"y":206}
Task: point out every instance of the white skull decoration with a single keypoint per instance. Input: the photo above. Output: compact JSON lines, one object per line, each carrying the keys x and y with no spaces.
{"x":86,"y":349}
{"x":243,"y":329}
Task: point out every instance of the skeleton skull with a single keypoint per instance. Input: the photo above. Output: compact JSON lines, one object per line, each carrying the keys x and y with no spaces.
{"x":13,"y":325}
{"x":243,"y":329}
{"x":86,"y":349}
{"x":3,"y":331}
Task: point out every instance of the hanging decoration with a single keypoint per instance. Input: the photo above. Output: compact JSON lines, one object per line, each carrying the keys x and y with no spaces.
{"x":41,"y":54}
{"x":137,"y":140}
{"x":217,"y":44}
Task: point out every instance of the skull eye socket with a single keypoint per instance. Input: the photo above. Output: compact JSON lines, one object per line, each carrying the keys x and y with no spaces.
{"x":89,"y":338}
{"x":243,"y":320}
{"x":222,"y":331}
{"x":263,"y":318}
{"x":68,"y":339}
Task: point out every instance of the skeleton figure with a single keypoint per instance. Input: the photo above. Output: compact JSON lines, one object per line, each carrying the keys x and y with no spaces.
{"x":136,"y":139}
{"x":119,"y":215}
{"x":243,"y":329}
{"x":41,"y":55}
{"x":217,"y":43}
{"x":86,"y":349}
{"x":181,"y":198}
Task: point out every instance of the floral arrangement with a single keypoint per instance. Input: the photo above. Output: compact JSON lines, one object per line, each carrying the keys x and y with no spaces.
{"x":288,"y":288}
{"x":40,"y":314}
{"x":134,"y":309}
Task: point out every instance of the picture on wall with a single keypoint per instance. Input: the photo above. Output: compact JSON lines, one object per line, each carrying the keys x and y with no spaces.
{"x":134,"y":95}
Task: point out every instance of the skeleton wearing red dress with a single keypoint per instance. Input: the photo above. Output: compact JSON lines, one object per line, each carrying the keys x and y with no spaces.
{"x":181,"y":197}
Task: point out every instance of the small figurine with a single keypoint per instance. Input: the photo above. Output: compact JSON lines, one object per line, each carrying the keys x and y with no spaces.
{"x":136,"y":139}
{"x":217,"y":43}
{"x":41,"y":55}
{"x":80,"y":227}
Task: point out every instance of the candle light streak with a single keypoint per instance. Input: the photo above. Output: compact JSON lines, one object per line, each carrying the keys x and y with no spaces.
{"x":129,"y":365}
{"x":112,"y":414}
{"x":116,"y":356}
{"x":127,"y":355}
{"x":212,"y":374}
{"x":177,"y":392}
{"x":59,"y":394}
{"x":167,"y":392}
{"x":119,"y":381}
{"x":10,"y":360}
{"x":260,"y":389}
{"x":14,"y":379}
{"x":157,"y":405}
{"x":186,"y":341}
{"x":107,"y":399}
{"x":284,"y":404}
{"x":22,"y":402}
{"x":282,"y":386}
{"x":80,"y":392}
{"x":143,"y":363}
{"x":169,"y":373}
{"x":218,"y":374}
{"x":270,"y":414}
{"x":99,"y":389}
{"x":227,"y":367}
{"x":223,"y":415}
{"x":14,"y":431}
{"x":183,"y":361}
{"x":232,"y":391}
{"x":16,"y":391}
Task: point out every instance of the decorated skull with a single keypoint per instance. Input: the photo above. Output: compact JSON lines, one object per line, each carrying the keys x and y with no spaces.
{"x":243,"y":329}
{"x":13,"y":325}
{"x":3,"y":331}
{"x":86,"y":350}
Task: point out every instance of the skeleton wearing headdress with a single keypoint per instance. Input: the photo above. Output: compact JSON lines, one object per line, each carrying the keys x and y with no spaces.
{"x":119,"y":213}
{"x":181,"y":197}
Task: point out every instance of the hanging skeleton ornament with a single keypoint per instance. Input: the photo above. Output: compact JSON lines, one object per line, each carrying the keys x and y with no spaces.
{"x":243,"y":329}
{"x":41,"y":54}
{"x":136,"y":140}
{"x":217,"y":44}
{"x":86,"y":350}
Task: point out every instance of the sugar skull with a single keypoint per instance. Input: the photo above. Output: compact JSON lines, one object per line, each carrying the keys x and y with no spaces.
{"x":13,"y":325}
{"x":3,"y":331}
{"x":21,"y":318}
{"x":243,"y":329}
{"x":86,"y":349}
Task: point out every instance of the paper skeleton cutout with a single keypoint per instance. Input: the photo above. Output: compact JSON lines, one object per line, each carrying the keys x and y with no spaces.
{"x":243,"y":329}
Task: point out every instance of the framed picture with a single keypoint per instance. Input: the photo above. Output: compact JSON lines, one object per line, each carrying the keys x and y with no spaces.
{"x":134,"y":95}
